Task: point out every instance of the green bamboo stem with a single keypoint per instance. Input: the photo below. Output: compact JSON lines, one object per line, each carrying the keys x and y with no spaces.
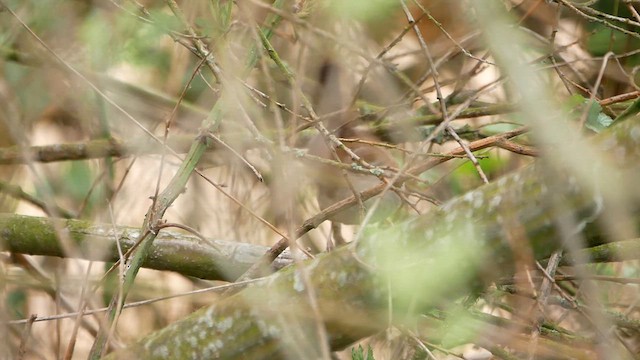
{"x":170,"y":251}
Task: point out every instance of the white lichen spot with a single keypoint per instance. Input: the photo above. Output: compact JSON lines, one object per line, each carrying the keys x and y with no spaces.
{"x":161,"y":352}
{"x":210,"y":352}
{"x":516,"y":178}
{"x":192,"y":340}
{"x":502,"y":182}
{"x":478,"y":200}
{"x":176,"y":341}
{"x":224,"y":324}
{"x":215,"y":346}
{"x":451,"y":217}
{"x":209,"y":317}
{"x":274,"y":331}
{"x":377,"y":171}
{"x":468,"y":197}
{"x":635,"y":134}
{"x":445,"y":208}
{"x":342,"y":278}
{"x":268,"y":329}
{"x":300,"y":152}
{"x":298,"y":284}
{"x":495,"y":202}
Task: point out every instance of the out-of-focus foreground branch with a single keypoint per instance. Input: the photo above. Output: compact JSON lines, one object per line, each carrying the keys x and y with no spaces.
{"x":416,"y":264}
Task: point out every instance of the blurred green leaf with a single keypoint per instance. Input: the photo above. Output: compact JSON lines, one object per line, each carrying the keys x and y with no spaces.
{"x":166,"y":20}
{"x":364,"y":10}
{"x":141,"y":46}
{"x":460,"y":327}
{"x":16,"y":303}
{"x":604,"y":39}
{"x":96,"y":40}
{"x":221,"y":13}
{"x":498,"y":128}
{"x":78,"y":179}
{"x":575,"y":100}
{"x":415,"y":280}
{"x":489,"y":164}
{"x":78,"y":183}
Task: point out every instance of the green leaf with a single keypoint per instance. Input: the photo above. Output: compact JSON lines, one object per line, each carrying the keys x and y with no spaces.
{"x":575,"y":100}
{"x":596,"y":119}
{"x":370,"y":354}
{"x":359,"y":353}
{"x":633,"y":109}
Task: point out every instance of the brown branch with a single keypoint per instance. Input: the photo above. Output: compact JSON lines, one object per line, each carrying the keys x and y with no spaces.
{"x":93,"y":149}
{"x":518,"y":148}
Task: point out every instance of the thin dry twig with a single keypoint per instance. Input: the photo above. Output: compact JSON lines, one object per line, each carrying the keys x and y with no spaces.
{"x":314,"y":221}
